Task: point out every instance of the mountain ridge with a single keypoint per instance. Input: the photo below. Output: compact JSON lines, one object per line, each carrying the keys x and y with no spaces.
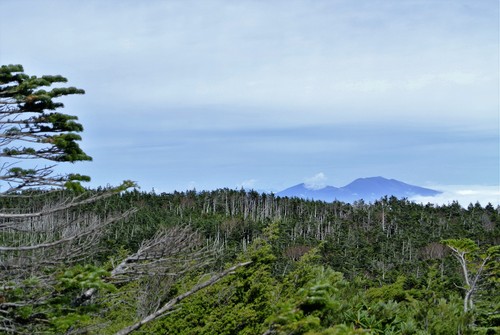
{"x":366,"y":189}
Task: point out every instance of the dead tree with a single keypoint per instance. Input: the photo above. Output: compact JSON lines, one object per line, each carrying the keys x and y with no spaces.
{"x":170,"y":253}
{"x":171,"y":304}
{"x":37,"y":240}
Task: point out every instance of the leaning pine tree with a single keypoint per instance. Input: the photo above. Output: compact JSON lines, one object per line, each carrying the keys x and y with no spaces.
{"x":31,"y":128}
{"x":46,"y":221}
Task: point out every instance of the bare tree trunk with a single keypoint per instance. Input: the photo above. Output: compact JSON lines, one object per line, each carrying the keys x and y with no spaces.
{"x":171,"y":252}
{"x":169,"y":306}
{"x":471,"y":281}
{"x":38,"y":237}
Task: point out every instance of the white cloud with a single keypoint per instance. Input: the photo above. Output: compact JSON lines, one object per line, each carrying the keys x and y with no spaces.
{"x":247,"y":184}
{"x":464,"y":194}
{"x":365,"y":86}
{"x":448,"y":78}
{"x":316,"y":182}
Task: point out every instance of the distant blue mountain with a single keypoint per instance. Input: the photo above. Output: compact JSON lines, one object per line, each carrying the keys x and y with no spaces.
{"x":368,"y":189}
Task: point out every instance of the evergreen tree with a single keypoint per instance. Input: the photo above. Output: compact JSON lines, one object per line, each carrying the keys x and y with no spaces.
{"x":31,"y":128}
{"x":45,"y":233}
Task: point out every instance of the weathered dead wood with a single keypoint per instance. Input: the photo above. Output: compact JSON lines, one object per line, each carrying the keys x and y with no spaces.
{"x":169,"y":306}
{"x":171,"y":252}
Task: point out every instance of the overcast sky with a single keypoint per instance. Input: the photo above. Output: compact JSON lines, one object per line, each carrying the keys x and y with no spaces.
{"x":269,"y":94}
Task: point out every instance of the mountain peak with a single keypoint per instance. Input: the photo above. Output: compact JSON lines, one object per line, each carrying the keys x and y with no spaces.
{"x":367,"y":189}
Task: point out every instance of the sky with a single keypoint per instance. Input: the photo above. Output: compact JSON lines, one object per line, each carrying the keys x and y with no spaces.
{"x":185,"y":94}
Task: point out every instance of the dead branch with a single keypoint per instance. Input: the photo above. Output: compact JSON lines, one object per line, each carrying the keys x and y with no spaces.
{"x":77,"y":234}
{"x":61,"y":207}
{"x":170,"y":305}
{"x":173,"y":245}
{"x":170,"y":253}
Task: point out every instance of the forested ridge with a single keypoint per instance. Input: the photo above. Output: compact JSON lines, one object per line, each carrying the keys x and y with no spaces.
{"x":316,"y":267}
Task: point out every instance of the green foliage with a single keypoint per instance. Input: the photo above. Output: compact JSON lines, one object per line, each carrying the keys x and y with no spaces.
{"x":312,"y":306}
{"x":392,"y":292}
{"x":118,"y":310}
{"x":62,"y":311}
{"x":84,"y":277}
{"x":36,"y":131}
{"x":465,"y":245}
{"x":61,"y":324}
{"x":237,"y":304}
{"x":39,"y":305}
{"x":358,"y":269}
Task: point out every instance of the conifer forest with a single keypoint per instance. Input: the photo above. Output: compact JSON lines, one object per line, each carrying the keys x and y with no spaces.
{"x":117,"y":260}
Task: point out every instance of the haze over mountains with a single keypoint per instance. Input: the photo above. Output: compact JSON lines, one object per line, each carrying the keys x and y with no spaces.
{"x":368,"y":189}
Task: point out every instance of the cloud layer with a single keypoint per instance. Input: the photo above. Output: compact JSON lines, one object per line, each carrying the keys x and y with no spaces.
{"x":463,"y":194}
{"x":222,"y":91}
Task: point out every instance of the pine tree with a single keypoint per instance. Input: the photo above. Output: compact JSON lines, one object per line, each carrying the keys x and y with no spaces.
{"x":31,"y":128}
{"x":42,"y":233}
